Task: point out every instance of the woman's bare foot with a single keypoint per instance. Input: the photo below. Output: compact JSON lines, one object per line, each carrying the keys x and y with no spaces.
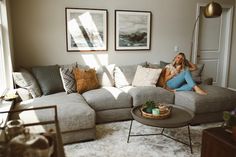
{"x":199,"y":90}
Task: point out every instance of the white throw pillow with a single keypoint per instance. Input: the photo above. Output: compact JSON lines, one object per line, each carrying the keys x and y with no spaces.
{"x":146,"y":76}
{"x":25,"y":79}
{"x":105,"y":75}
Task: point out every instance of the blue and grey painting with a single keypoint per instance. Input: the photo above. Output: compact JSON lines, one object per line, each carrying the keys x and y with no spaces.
{"x":133,"y":30}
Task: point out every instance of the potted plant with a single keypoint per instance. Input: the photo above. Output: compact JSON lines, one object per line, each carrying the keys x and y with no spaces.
{"x":149,"y":105}
{"x":230,"y":118}
{"x":230,"y":121}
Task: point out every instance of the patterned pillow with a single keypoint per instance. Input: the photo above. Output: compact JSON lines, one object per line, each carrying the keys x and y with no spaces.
{"x":85,"y":79}
{"x":25,"y":79}
{"x":146,"y":76}
{"x":68,"y":79}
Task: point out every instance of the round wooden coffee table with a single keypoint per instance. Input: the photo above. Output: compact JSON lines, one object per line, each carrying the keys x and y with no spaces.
{"x":180,"y":117}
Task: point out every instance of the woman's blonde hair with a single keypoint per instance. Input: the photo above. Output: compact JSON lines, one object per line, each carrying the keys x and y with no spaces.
{"x":185,"y":62}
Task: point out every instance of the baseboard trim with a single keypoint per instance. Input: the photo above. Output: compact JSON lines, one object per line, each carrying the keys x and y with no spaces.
{"x":232,"y":89}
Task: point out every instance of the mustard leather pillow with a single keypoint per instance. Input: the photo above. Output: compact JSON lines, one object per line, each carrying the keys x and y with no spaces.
{"x":85,"y":80}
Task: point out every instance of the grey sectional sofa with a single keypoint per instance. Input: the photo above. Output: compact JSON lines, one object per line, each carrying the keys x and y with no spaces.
{"x":79,"y":114}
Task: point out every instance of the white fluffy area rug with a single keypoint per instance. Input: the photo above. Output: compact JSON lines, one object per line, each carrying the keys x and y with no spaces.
{"x":112,"y":142}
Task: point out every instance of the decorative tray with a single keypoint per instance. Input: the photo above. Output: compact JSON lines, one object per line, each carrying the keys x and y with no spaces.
{"x":163,"y":114}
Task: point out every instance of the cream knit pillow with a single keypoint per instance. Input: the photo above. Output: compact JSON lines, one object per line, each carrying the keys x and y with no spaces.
{"x":146,"y":76}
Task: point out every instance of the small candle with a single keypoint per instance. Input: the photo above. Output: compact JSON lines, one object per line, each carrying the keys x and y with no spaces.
{"x":155,"y":111}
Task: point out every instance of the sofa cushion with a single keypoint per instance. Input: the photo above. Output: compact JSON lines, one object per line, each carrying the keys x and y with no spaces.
{"x":49,"y":79}
{"x":217,"y":99}
{"x":24,"y":79}
{"x":124,"y":75}
{"x":141,"y":94}
{"x":106,"y":98}
{"x":85,"y":79}
{"x":146,"y":76}
{"x":105,"y":75}
{"x":73,"y":111}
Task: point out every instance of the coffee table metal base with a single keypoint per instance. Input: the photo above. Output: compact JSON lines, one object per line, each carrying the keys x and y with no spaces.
{"x":162,"y":133}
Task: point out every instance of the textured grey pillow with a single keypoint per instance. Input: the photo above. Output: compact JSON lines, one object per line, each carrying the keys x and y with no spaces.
{"x":198,"y":72}
{"x":73,"y":65}
{"x":163,"y":64}
{"x":24,"y":79}
{"x":48,"y":78}
{"x":68,"y":78}
{"x":153,"y":65}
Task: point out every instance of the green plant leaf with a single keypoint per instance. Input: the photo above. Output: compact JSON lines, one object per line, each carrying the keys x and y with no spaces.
{"x":226,"y":115}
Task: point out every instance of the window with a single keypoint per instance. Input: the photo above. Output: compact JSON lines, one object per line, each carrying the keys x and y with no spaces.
{"x":2,"y":68}
{"x":5,"y":53}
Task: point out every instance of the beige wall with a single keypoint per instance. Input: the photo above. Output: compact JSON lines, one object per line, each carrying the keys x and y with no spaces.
{"x":232,"y":72}
{"x":39,"y":31}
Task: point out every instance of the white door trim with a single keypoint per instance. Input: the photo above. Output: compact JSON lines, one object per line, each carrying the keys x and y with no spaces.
{"x":228,"y":40}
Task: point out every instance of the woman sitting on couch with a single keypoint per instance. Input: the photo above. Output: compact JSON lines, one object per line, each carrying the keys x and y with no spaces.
{"x":178,"y":76}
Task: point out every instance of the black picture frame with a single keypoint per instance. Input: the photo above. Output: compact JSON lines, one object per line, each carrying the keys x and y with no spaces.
{"x":133,"y":30}
{"x":86,"y":29}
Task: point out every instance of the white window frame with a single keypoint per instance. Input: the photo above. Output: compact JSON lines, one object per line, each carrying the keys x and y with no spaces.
{"x":6,"y":81}
{"x":3,"y":84}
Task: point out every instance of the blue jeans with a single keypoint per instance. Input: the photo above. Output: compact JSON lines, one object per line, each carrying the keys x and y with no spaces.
{"x":182,"y":82}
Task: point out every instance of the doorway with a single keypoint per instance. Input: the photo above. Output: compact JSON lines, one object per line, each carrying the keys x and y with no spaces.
{"x":212,"y":44}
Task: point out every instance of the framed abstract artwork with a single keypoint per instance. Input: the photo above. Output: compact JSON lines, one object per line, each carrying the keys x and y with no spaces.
{"x":86,"y":29}
{"x":132,"y":30}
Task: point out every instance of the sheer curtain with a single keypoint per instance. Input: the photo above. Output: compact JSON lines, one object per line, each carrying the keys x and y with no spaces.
{"x":5,"y":53}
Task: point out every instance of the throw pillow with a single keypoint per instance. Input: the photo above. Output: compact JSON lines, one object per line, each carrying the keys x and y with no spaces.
{"x":146,"y":76}
{"x":24,"y":94}
{"x":82,"y":66}
{"x":85,"y":79}
{"x":48,"y":78}
{"x":198,"y":71}
{"x":68,"y":79}
{"x":161,"y":81}
{"x":163,"y":64}
{"x":25,"y":79}
{"x":105,"y":75}
{"x":196,"y":74}
{"x":153,"y":66}
{"x":73,"y":65}
{"x":124,"y":75}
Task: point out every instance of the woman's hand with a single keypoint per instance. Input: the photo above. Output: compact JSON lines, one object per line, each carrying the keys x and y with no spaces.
{"x":192,"y":66}
{"x":178,"y":69}
{"x":169,"y":75}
